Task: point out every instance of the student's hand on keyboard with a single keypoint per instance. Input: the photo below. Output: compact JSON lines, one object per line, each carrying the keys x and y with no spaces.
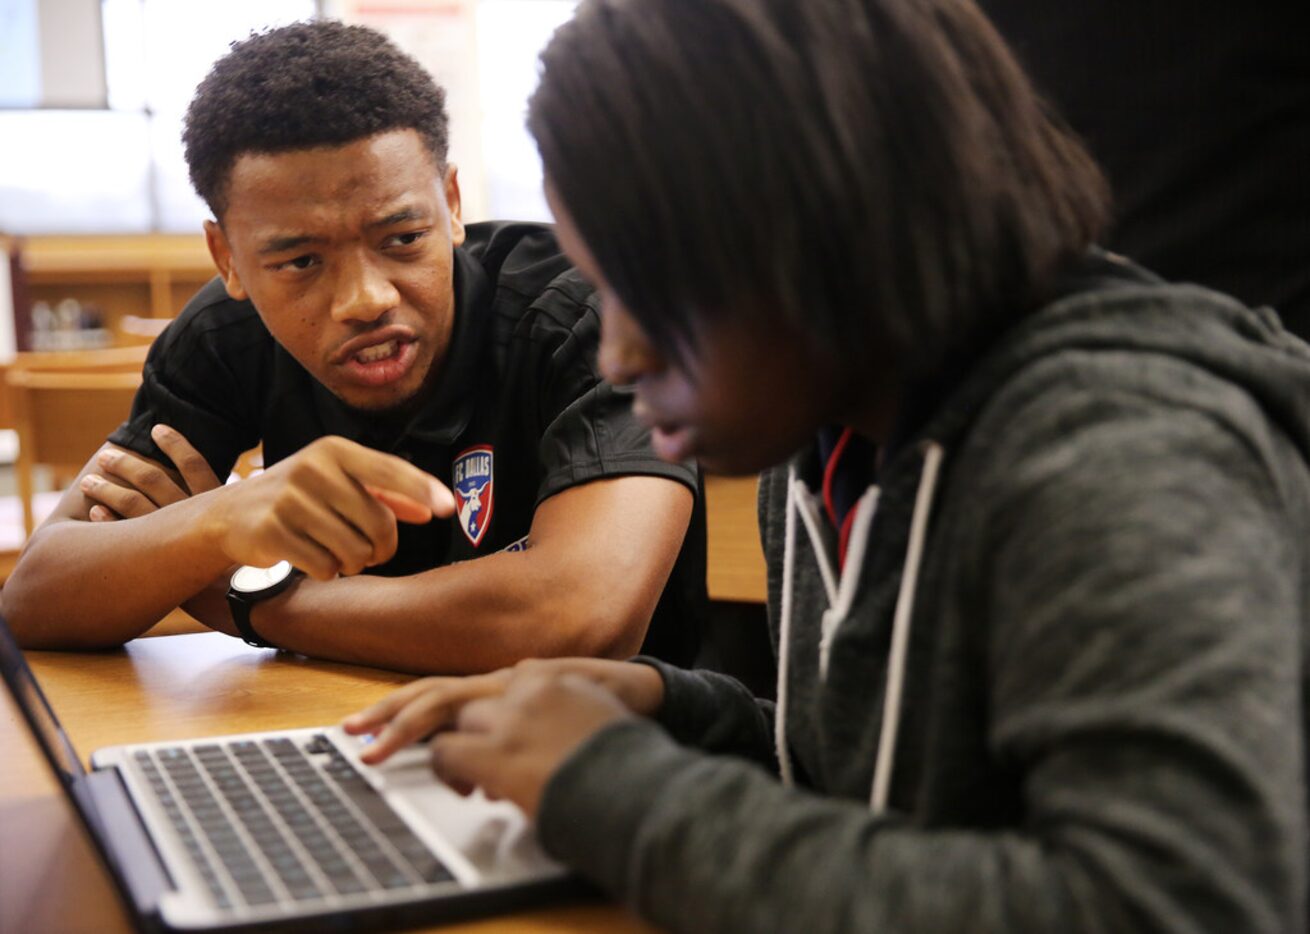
{"x":428,"y":705}
{"x":130,"y":486}
{"x":510,"y":744}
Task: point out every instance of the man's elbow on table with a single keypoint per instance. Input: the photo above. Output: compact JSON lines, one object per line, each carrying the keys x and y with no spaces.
{"x":35,"y":597}
{"x":34,"y":628}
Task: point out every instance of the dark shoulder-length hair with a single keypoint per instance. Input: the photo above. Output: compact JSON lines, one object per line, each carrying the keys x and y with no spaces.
{"x":879,"y":174}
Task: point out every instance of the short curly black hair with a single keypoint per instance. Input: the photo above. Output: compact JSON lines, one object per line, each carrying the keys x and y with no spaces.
{"x":318,"y":83}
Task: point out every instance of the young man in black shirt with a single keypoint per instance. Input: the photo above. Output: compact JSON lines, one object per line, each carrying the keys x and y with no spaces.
{"x":386,"y":356}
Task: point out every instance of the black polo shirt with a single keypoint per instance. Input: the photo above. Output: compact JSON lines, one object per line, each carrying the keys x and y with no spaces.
{"x":517,"y":414}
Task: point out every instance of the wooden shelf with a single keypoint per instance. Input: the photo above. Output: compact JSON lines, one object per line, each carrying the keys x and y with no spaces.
{"x":58,"y":257}
{"x":149,"y":275}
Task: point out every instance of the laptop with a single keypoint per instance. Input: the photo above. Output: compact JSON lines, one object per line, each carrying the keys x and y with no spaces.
{"x":287,"y":829}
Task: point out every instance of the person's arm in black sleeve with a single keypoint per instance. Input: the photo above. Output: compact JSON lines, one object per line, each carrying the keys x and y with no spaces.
{"x":202,"y":386}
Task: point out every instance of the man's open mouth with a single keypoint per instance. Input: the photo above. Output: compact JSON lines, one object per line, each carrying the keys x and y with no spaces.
{"x":378,"y":352}
{"x":381,"y":363}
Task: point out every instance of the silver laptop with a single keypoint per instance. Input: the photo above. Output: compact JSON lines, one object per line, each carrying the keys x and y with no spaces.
{"x":268,"y":830}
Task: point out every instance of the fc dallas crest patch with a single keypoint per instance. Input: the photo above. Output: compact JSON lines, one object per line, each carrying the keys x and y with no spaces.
{"x":471,"y":479}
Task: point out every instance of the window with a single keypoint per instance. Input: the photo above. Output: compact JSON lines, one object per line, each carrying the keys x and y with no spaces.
{"x":51,"y":54}
{"x":20,"y":58}
{"x":120,"y":168}
{"x":511,"y":34}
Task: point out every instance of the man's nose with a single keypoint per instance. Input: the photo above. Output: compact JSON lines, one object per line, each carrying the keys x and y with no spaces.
{"x":363,"y":291}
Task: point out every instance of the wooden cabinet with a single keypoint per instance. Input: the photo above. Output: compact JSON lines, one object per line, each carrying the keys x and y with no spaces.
{"x":735,"y":561}
{"x":150,"y":275}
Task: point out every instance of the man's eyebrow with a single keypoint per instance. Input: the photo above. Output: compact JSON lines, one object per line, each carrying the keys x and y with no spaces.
{"x":400,"y":217}
{"x":282,"y":244}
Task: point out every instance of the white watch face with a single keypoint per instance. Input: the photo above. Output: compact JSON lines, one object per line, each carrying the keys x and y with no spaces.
{"x":247,"y":579}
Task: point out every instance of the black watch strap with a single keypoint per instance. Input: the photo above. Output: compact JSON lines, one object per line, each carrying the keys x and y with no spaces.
{"x":253,"y":585}
{"x":241,"y":608}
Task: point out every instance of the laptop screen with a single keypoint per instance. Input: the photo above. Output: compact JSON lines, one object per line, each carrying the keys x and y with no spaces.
{"x":36,"y":710}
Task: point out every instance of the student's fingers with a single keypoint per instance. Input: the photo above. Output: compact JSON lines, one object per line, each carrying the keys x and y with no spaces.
{"x":419,"y":710}
{"x":310,"y":518}
{"x":319,"y":493}
{"x":376,"y":715}
{"x":510,"y":745}
{"x":404,"y":508}
{"x":366,"y":514}
{"x":305,"y":554}
{"x":100,"y":513}
{"x":272,"y":539}
{"x":323,"y":472}
{"x":123,"y":500}
{"x":146,"y":477}
{"x":421,"y":717}
{"x":190,"y":463}
{"x":441,"y":705}
{"x":392,"y":474}
{"x":348,"y":520}
{"x":302,"y":500}
{"x":466,"y":761}
{"x":374,"y":514}
{"x":486,"y":714}
{"x":639,"y":687}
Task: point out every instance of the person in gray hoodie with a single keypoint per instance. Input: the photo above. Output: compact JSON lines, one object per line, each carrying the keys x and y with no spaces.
{"x":1037,"y":523}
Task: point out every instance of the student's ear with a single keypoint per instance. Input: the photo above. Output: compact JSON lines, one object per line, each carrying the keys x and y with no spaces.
{"x":453,"y":203}
{"x":222,"y":254}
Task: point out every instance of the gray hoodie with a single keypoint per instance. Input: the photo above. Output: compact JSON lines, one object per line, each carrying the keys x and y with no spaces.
{"x":1059,"y":685}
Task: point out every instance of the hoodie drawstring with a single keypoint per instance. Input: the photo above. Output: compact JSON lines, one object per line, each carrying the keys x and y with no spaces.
{"x":897,"y":660}
{"x":784,"y":633}
{"x":891,"y":700}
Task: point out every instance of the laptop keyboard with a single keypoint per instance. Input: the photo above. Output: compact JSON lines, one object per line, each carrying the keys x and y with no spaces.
{"x":265,"y":825}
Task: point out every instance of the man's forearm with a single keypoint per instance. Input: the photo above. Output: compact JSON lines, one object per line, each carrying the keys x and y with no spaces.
{"x":96,"y":584}
{"x":470,"y":617}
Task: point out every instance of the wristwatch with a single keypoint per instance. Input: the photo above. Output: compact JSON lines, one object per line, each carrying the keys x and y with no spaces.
{"x":251,"y":585}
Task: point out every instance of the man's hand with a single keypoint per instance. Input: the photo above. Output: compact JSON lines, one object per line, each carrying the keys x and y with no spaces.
{"x":331,"y":508}
{"x":510,"y":745}
{"x":431,"y":704}
{"x":130,"y":486}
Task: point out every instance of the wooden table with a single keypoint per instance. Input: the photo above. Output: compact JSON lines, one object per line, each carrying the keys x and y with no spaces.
{"x":734,"y":559}
{"x":175,"y":687}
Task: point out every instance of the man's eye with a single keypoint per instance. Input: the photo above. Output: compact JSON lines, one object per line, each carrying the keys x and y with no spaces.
{"x":406,"y":239}
{"x":299,"y":263}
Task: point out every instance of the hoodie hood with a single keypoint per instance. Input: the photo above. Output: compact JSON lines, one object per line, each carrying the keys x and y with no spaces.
{"x":1109,"y":304}
{"x":1106,"y":305}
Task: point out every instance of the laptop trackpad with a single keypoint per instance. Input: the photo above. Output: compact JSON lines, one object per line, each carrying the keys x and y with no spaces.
{"x":493,"y":841}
